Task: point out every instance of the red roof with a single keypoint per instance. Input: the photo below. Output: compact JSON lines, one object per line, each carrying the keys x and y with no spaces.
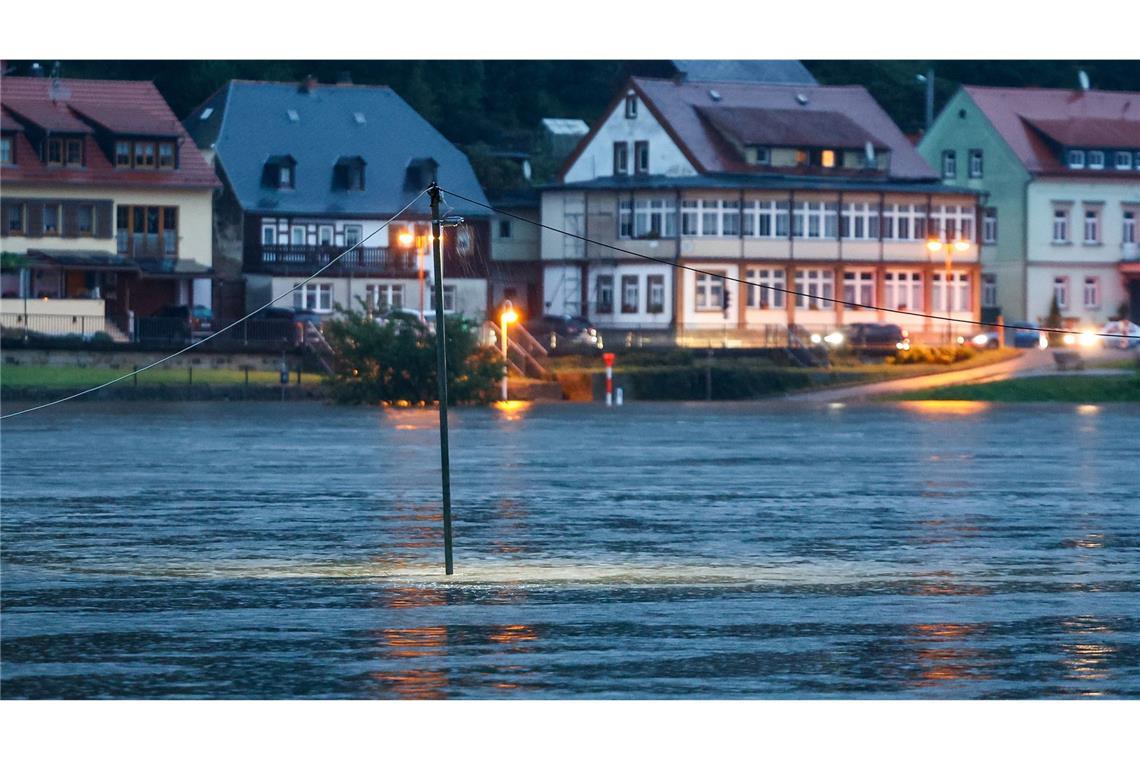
{"x":117,"y":107}
{"x":1029,"y":118}
{"x":680,"y":105}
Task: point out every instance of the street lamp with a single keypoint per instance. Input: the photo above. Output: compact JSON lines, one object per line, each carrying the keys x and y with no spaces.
{"x":934,"y":245}
{"x":508,"y":316}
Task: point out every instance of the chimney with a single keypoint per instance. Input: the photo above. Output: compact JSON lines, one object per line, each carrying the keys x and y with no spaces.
{"x":37,"y":70}
{"x":308,"y":84}
{"x":344,"y":77}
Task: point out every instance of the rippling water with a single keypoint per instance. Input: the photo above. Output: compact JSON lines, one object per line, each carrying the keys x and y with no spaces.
{"x":940,"y":549}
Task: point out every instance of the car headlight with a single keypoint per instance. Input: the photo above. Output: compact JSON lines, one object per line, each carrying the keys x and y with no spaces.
{"x":834,"y":339}
{"x":1088,"y":338}
{"x":980,"y":339}
{"x":903,"y":345}
{"x":1069,"y":339}
{"x":816,"y":338}
{"x":1043,"y":342}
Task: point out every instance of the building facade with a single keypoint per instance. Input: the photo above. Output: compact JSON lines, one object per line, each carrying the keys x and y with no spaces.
{"x":311,"y":170}
{"x":796,"y":187}
{"x":106,"y":211}
{"x":1060,"y":174}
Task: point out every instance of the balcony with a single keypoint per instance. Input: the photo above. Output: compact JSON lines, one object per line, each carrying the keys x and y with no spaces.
{"x":144,"y":245}
{"x":296,"y":260}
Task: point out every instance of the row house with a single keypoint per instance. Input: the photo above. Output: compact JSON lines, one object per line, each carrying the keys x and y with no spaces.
{"x":310,"y":170}
{"x":1060,"y":172}
{"x":106,"y":206}
{"x":796,"y":186}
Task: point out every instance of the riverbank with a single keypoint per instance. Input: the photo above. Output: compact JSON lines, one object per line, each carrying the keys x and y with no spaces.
{"x":1073,"y":388}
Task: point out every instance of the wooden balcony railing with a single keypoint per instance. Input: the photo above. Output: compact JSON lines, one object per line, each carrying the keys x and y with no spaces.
{"x":306,"y":259}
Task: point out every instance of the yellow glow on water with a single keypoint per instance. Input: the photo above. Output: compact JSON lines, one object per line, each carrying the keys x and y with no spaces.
{"x":1087,"y":409}
{"x":513,"y":409}
{"x":946,"y":407}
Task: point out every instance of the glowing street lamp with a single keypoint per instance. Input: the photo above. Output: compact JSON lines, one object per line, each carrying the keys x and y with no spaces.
{"x":508,"y":316}
{"x":934,"y":245}
{"x":407,"y":238}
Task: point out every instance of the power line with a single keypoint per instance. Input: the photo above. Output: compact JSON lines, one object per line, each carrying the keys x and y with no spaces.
{"x":228,"y":327}
{"x":723,"y":276}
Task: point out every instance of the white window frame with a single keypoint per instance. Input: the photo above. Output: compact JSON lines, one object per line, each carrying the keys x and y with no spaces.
{"x":384,"y":296}
{"x":604,"y":294}
{"x":321,"y":237}
{"x":709,"y":291}
{"x":989,"y":290}
{"x":654,"y":215}
{"x":859,"y":288}
{"x":902,"y":289}
{"x":959,"y":291}
{"x":641,"y":157}
{"x":621,"y":150}
{"x":298,"y":231}
{"x":860,"y":221}
{"x":763,"y":156}
{"x":449,"y":296}
{"x":631,"y":105}
{"x":1076,"y":159}
{"x":976,"y":163}
{"x":1061,"y":291}
{"x":990,"y":225}
{"x":812,"y":287}
{"x":655,"y":293}
{"x":625,"y":219}
{"x":1092,"y":226}
{"x":1091,"y":292}
{"x":1128,"y":227}
{"x":269,"y":234}
{"x":1060,"y":225}
{"x":314,"y":296}
{"x":1123,"y":160}
{"x":630,"y":293}
{"x":759,"y":219}
{"x":1096,"y":159}
{"x":761,"y":297}
{"x":358,"y":229}
{"x":949,"y":164}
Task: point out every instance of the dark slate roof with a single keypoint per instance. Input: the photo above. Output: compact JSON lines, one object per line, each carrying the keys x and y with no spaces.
{"x":788,"y":128}
{"x":251,"y":121}
{"x":660,"y":182}
{"x":1090,"y":132}
{"x":766,"y":72}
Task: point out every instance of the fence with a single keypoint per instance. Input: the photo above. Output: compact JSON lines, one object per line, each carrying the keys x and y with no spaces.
{"x":151,"y":332}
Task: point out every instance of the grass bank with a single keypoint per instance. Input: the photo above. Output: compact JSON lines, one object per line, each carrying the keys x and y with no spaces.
{"x":46,"y":376}
{"x":1074,"y":388}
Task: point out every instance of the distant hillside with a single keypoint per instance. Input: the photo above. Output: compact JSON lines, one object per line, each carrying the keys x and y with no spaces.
{"x":477,"y":104}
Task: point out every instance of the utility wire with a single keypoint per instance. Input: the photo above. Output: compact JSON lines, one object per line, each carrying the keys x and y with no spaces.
{"x":722,"y":276}
{"x":228,"y":327}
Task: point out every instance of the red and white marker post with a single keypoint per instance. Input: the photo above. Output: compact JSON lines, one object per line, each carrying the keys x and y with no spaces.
{"x":609,"y":360}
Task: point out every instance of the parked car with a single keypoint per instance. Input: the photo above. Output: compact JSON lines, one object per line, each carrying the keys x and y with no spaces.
{"x":1128,"y":331}
{"x":299,"y":319}
{"x":408,"y":317}
{"x":186,"y":322}
{"x":875,"y":338}
{"x":565,"y":333}
{"x":1025,"y":335}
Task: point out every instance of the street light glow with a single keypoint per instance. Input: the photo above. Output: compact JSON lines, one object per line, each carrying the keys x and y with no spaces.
{"x":407,"y":238}
{"x":510,"y":316}
{"x":934,"y":245}
{"x":961,"y":245}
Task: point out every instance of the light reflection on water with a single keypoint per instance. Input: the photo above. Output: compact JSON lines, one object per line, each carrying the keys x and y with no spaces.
{"x":684,"y":550}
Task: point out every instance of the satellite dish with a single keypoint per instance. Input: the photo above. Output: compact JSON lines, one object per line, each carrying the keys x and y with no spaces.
{"x":526,"y":170}
{"x":801,"y":99}
{"x":869,"y":152}
{"x":1083,"y":78}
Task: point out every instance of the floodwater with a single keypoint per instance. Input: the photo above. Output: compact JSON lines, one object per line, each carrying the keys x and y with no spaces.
{"x":761,"y":550}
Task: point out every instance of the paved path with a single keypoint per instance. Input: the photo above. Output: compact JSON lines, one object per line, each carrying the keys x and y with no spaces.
{"x":1031,"y":361}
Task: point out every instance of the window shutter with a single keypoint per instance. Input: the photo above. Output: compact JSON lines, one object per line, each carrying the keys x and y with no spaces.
{"x":104,"y":224}
{"x":35,"y":219}
{"x":69,"y":225}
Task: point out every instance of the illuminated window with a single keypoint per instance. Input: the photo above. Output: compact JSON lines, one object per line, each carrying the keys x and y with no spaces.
{"x":827,"y":159}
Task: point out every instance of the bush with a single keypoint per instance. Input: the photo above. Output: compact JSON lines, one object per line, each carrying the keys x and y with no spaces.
{"x":396,"y":361}
{"x":934,"y":355}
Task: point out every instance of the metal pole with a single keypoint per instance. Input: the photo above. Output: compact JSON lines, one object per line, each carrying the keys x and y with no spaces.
{"x":503,"y":322}
{"x":929,"y":98}
{"x":441,"y":370}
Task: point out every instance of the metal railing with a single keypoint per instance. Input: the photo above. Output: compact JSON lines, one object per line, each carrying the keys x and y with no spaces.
{"x":295,"y":259}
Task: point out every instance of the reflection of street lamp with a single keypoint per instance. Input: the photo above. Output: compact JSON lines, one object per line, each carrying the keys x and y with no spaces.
{"x":508,"y":316}
{"x":934,"y":245}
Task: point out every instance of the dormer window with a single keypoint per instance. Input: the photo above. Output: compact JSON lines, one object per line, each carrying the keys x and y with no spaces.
{"x":631,"y":105}
{"x":1096,"y":159}
{"x":761,"y":156}
{"x":144,"y":155}
{"x":1123,"y":160}
{"x":122,"y":154}
{"x":1076,"y":159}
{"x":348,"y":174}
{"x":55,"y":151}
{"x":827,"y":159}
{"x":166,"y":155}
{"x":279,"y":172}
{"x":7,"y":151}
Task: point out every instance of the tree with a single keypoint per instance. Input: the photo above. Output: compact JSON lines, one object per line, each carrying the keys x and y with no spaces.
{"x":392,"y":358}
{"x":1055,"y":322}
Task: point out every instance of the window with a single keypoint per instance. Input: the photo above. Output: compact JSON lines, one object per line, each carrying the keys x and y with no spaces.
{"x":85,"y":219}
{"x":285,"y":175}
{"x":268,"y":235}
{"x":55,"y":151}
{"x":51,"y":219}
{"x":147,"y":231}
{"x":710,"y":293}
{"x":297,"y":236}
{"x":631,"y":105}
{"x":505,"y":229}
{"x":384,"y":297}
{"x":625,"y":219}
{"x":959,"y":292}
{"x":7,"y":157}
{"x":782,"y":226}
{"x":352,"y":235}
{"x":1096,"y":159}
{"x":859,"y":288}
{"x":325,"y":235}
{"x":166,"y":155}
{"x":313,"y":296}
{"x":448,"y":297}
{"x":812,"y":287}
{"x":989,"y":291}
{"x":763,"y":156}
{"x":949,"y":164}
{"x":758,"y":218}
{"x":641,"y":157}
{"x":1076,"y":159}
{"x":766,"y":296}
{"x":629,"y":294}
{"x":815,"y":220}
{"x":860,"y":221}
{"x":902,"y":290}
{"x":989,"y":225}
{"x":74,"y":155}
{"x":975,"y":163}
{"x":170,"y":230}
{"x":144,"y":155}
{"x":654,"y":218}
{"x":655,"y":283}
{"x":1060,"y":225}
{"x":827,"y":159}
{"x":1061,"y":292}
{"x":1092,"y":226}
{"x":122,"y":154}
{"x":730,"y":218}
{"x":604,"y":294}
{"x":1128,"y":233}
{"x":14,"y":218}
{"x":621,"y":158}
{"x":1092,"y":292}
{"x":1123,"y":160}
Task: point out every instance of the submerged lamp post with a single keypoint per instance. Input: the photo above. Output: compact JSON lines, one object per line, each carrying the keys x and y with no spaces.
{"x":441,"y":370}
{"x":508,"y":316}
{"x":934,"y":245}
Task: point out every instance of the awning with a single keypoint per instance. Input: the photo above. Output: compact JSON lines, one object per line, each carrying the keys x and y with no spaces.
{"x":95,"y":260}
{"x":173,"y":268}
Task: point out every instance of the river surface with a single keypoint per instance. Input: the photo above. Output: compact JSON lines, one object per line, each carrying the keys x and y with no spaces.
{"x":760,"y":550}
